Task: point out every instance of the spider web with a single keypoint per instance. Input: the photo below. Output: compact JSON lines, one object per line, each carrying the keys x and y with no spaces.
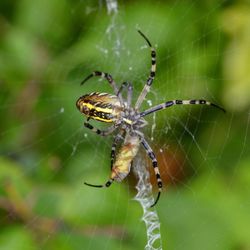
{"x":47,"y":154}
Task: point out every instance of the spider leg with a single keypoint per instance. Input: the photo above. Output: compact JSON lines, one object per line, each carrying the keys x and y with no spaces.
{"x":103,"y":75}
{"x":109,"y":78}
{"x":151,"y":77}
{"x":129,"y":86}
{"x":106,"y":132}
{"x":130,"y":94}
{"x":179,"y":102}
{"x":155,"y":166}
{"x":107,"y":184}
{"x":117,"y":138}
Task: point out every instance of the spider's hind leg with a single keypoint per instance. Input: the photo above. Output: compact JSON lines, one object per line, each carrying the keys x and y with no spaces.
{"x":106,"y":132}
{"x":156,"y":169}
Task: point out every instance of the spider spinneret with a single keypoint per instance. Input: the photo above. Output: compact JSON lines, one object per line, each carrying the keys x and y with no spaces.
{"x":128,"y":120}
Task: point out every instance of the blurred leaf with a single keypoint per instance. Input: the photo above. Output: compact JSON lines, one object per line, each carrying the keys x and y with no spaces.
{"x":236,"y":22}
{"x":11,"y":173}
{"x":16,"y":237}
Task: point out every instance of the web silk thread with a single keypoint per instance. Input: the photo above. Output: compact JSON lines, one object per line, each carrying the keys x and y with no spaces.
{"x":145,"y":197}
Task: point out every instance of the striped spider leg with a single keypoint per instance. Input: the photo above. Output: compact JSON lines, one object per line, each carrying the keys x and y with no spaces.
{"x":178,"y":102}
{"x":151,"y":77}
{"x":105,"y":132}
{"x":151,"y":155}
{"x":103,"y":75}
{"x":124,"y":157}
{"x":129,"y":87}
{"x":107,"y":77}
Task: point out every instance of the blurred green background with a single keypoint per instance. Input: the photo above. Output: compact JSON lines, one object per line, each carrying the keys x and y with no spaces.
{"x":47,"y":48}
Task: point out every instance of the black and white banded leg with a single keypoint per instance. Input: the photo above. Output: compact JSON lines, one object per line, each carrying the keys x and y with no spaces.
{"x":130,"y":94}
{"x":129,"y":87}
{"x":107,"y":184}
{"x":151,"y":77}
{"x":155,"y":166}
{"x":179,"y":102}
{"x":106,"y":76}
{"x":106,"y":132}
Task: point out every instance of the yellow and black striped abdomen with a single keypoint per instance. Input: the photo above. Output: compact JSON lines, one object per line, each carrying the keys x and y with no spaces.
{"x":100,"y":106}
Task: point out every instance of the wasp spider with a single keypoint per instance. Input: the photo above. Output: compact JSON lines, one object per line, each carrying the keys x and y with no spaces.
{"x":126,"y":120}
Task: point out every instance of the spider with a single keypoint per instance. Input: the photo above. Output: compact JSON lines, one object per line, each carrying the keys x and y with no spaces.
{"x":127,"y":120}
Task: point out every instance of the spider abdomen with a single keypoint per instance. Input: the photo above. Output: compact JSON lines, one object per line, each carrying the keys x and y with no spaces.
{"x":126,"y":154}
{"x":100,"y":106}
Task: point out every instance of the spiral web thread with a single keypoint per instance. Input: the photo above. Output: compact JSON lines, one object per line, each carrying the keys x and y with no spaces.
{"x":145,"y":197}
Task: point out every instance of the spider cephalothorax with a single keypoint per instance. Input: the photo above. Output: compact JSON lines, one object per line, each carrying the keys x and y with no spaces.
{"x":126,"y":120}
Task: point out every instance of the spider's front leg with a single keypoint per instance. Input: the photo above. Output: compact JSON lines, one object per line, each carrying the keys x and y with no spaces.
{"x":179,"y":102}
{"x":151,"y":77}
{"x":129,"y":87}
